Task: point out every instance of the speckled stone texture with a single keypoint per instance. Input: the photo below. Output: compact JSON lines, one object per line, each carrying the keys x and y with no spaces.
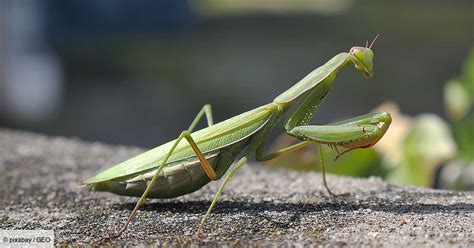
{"x":40,"y":189}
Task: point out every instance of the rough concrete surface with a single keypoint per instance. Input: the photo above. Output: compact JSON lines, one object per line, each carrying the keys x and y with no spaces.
{"x":40,"y":189}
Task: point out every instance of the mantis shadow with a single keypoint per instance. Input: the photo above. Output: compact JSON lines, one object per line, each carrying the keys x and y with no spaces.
{"x":406,"y":202}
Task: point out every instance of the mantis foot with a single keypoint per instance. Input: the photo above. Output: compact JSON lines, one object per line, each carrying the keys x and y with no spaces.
{"x":113,"y":236}
{"x":198,"y":237}
{"x":109,"y":238}
{"x":337,"y":195}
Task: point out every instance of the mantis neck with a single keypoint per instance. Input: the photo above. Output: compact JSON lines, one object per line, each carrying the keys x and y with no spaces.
{"x":328,"y":70}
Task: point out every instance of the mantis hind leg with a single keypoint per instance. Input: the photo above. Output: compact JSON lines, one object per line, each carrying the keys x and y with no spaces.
{"x":206,"y":109}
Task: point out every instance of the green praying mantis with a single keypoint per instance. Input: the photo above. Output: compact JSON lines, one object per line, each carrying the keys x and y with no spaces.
{"x":189,"y":162}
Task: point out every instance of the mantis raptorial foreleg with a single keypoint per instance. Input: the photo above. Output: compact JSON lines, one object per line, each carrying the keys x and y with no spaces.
{"x":358,"y":132}
{"x":206,"y":109}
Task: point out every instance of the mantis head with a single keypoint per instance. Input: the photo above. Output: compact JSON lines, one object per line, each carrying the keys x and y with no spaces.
{"x":362,"y":58}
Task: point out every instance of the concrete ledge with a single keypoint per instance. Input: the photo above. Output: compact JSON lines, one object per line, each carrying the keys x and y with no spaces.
{"x":40,"y":189}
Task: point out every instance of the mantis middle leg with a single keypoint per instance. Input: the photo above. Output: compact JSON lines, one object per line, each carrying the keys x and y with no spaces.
{"x":229,"y":175}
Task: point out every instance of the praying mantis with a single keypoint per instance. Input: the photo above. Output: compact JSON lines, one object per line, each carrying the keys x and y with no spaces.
{"x":195,"y":158}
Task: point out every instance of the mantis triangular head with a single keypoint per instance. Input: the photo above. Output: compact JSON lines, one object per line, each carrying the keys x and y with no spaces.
{"x":362,"y":58}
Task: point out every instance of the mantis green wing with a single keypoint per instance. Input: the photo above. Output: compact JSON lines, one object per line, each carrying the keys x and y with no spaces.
{"x":208,"y":139}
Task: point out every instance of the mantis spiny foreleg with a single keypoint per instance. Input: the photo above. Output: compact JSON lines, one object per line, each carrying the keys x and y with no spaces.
{"x":360,"y":132}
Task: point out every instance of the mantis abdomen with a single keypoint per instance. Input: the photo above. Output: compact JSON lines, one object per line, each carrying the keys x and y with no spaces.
{"x":177,"y":178}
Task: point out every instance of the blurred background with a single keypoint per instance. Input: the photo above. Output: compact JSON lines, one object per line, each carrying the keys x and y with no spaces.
{"x":137,"y":72}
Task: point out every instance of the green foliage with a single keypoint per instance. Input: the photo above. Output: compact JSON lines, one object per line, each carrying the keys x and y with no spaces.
{"x":463,"y":126}
{"x":464,"y":135}
{"x":426,"y":146}
{"x":467,"y":78}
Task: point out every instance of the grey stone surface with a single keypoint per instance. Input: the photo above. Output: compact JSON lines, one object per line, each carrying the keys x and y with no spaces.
{"x":40,"y":189}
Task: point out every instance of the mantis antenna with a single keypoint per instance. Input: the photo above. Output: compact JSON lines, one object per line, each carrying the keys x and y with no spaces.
{"x":371,"y":44}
